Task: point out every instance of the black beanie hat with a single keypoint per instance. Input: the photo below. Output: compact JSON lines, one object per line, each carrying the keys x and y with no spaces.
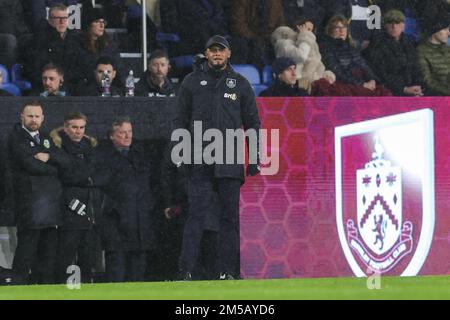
{"x":280,"y":64}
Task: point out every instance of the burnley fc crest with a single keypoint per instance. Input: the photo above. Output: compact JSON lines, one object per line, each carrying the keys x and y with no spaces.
{"x":385,"y":193}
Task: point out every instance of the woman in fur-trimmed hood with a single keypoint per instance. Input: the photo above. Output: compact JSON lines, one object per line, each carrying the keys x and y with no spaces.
{"x":302,"y":47}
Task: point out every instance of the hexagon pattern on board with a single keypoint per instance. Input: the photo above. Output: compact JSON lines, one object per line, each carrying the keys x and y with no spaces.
{"x":288,"y":221}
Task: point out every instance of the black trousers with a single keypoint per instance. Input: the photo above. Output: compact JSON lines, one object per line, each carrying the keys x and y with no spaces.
{"x":76,"y":247}
{"x":211,"y":199}
{"x":36,"y":252}
{"x":125,"y":266}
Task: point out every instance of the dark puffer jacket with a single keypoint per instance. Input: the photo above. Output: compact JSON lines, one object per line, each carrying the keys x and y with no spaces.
{"x":345,"y":62}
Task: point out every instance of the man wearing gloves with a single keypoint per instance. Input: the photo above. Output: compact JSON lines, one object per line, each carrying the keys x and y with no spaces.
{"x":218,"y":98}
{"x":80,"y":200}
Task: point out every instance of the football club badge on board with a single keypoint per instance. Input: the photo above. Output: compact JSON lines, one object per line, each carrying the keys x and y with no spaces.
{"x":385,"y":193}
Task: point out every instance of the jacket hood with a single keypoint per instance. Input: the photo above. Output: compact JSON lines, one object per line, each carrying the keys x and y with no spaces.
{"x":306,"y":36}
{"x":55,"y":134}
{"x":283,"y":33}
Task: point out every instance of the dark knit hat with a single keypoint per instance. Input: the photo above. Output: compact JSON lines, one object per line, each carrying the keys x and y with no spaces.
{"x":442,"y":21}
{"x":92,"y":15}
{"x":217,"y":40}
{"x":394,"y":16}
{"x":282,"y":63}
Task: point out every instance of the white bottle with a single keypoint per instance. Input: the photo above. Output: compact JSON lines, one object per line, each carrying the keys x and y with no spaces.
{"x":106,"y":84}
{"x":129,"y":85}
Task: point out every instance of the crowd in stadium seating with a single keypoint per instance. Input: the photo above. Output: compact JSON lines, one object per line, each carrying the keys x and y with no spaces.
{"x":335,"y":51}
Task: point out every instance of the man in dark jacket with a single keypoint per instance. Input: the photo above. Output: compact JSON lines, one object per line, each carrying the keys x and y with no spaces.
{"x":154,"y":81}
{"x":216,"y":97}
{"x":80,"y":199}
{"x":393,"y":58}
{"x":285,"y":84}
{"x":95,"y":87}
{"x":123,"y":173}
{"x":37,"y":194}
{"x":54,"y":43}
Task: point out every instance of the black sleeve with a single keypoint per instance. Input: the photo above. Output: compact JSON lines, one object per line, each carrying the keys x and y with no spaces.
{"x":23,"y":157}
{"x":250,"y":117}
{"x":183,"y":107}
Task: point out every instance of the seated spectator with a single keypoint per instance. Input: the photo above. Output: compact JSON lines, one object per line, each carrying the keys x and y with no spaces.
{"x":95,"y":43}
{"x":154,"y":81}
{"x":37,"y":10}
{"x":3,"y":93}
{"x":285,"y":84}
{"x":434,"y":58}
{"x":353,"y":76}
{"x":52,"y":81}
{"x":394,"y":59}
{"x":95,"y":88}
{"x":302,"y":48}
{"x":252,"y":23}
{"x":55,"y":44}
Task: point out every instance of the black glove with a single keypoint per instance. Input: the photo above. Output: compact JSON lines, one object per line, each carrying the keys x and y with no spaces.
{"x":253,"y":170}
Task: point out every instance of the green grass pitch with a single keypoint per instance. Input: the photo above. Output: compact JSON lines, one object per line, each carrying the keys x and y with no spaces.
{"x":285,"y":289}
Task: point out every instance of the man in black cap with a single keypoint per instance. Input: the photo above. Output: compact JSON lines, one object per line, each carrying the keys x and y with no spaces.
{"x":285,"y":84}
{"x":215,"y":97}
{"x":434,"y":58}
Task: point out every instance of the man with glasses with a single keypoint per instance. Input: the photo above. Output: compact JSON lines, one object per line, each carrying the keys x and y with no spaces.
{"x":53,"y":44}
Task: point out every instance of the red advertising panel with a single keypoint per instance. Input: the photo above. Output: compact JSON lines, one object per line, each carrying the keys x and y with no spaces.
{"x":362,"y":187}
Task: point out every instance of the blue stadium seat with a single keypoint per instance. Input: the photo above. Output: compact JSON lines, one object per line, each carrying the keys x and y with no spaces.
{"x":267,"y":76}
{"x":257,"y":88}
{"x":167,"y":37}
{"x":11,"y":88}
{"x":252,"y":75}
{"x":17,"y":78}
{"x":248,"y":71}
{"x":7,"y":85}
{"x":412,"y":29}
{"x":183,"y":61}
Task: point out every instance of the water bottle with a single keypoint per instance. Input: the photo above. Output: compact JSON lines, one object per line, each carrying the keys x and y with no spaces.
{"x":129,"y":84}
{"x":106,"y":84}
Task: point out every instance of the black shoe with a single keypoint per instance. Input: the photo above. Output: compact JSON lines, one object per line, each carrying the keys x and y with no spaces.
{"x":226,"y":276}
{"x":184,"y":276}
